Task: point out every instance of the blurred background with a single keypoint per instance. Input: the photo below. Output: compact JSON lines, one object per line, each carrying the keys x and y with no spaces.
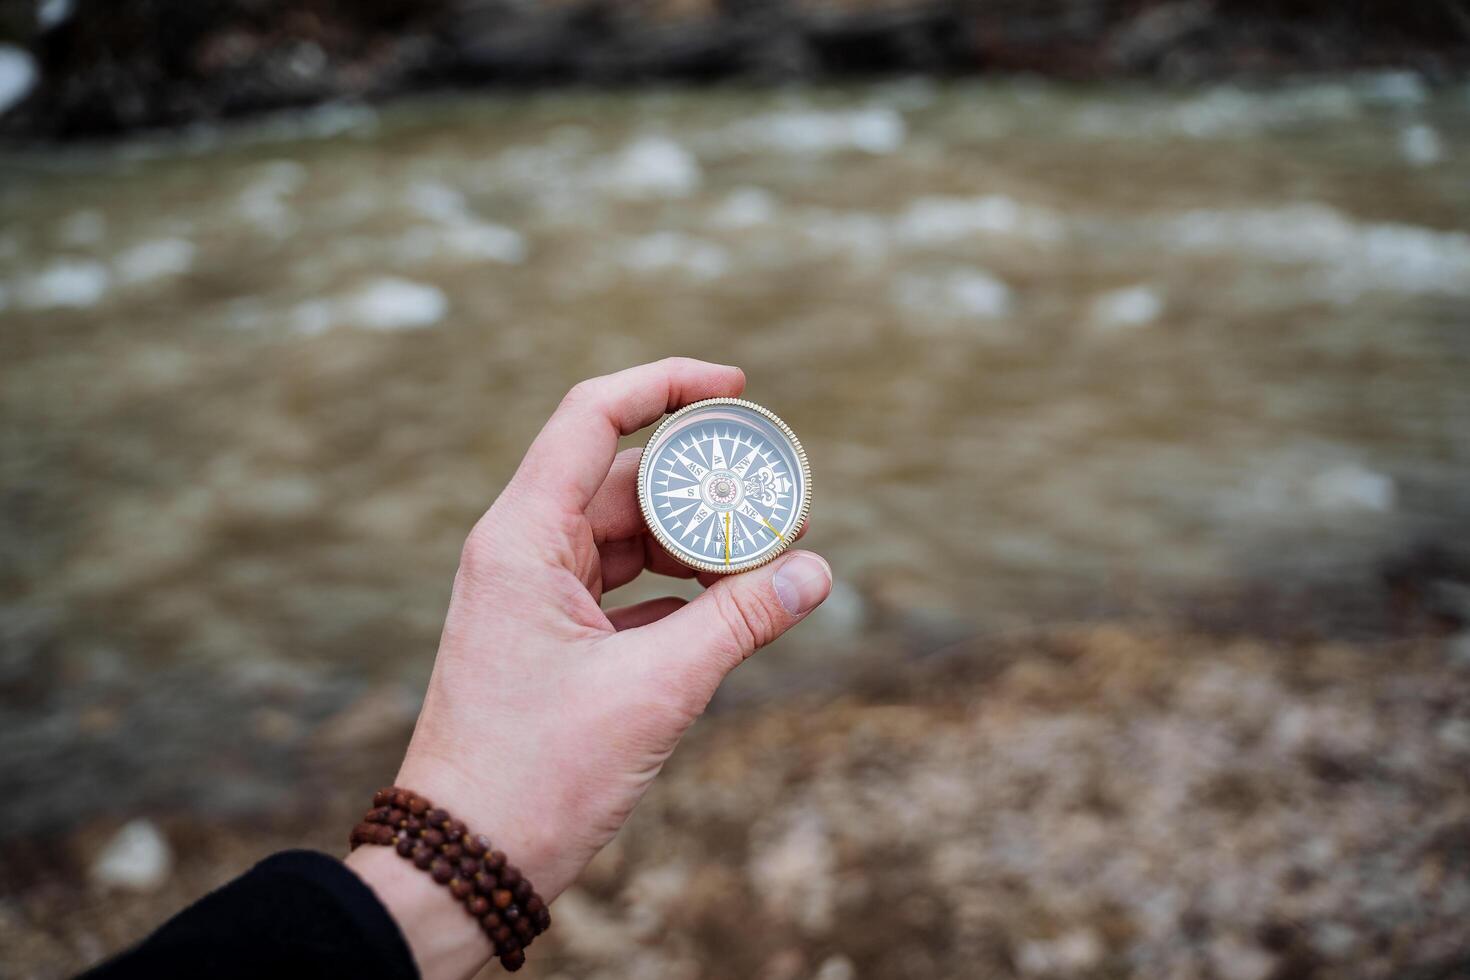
{"x":1130,"y":342}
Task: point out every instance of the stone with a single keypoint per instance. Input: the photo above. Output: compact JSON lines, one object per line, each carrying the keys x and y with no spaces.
{"x":136,"y":859}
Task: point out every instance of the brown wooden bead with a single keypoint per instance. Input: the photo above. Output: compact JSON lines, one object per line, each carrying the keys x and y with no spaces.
{"x":423,"y":856}
{"x":434,"y":838}
{"x":437,"y":817}
{"x":468,"y":867}
{"x":460,"y":888}
{"x":453,"y":830}
{"x":491,"y":921}
{"x":522,"y":891}
{"x":405,"y":845}
{"x":378,"y":814}
{"x":486,"y":883}
{"x":510,"y":875}
{"x":502,"y":936}
{"x":384,"y":796}
{"x":523,"y":931}
{"x":452,"y":851}
{"x":384,"y":835}
{"x":397,"y":816}
{"x":511,"y":945}
{"x":542,"y":917}
{"x":417,"y":805}
{"x":494,"y":861}
{"x":477,"y":905}
{"x":533,"y":905}
{"x":501,"y":899}
{"x":401,"y":798}
{"x":441,"y":870}
{"x":511,"y":962}
{"x":475,"y":844}
{"x":512,"y":914}
{"x":414,"y":825}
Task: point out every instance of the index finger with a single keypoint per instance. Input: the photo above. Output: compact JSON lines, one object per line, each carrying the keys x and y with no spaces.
{"x":571,"y":457}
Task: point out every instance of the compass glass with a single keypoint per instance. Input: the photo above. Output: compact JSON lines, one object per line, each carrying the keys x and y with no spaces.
{"x":724,"y":485}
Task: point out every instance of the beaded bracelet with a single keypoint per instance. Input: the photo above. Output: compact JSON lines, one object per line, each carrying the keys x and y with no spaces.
{"x":493,"y":892}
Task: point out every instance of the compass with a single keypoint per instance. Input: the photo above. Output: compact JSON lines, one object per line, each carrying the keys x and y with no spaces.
{"x":724,"y":485}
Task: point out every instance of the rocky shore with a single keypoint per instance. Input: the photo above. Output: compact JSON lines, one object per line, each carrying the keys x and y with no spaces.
{"x":1112,"y":801}
{"x":82,"y":68}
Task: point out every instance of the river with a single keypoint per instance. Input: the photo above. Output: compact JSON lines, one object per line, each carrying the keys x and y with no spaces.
{"x":1055,"y":353}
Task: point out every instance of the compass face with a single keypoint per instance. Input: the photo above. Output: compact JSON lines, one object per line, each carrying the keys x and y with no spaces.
{"x":724,"y":485}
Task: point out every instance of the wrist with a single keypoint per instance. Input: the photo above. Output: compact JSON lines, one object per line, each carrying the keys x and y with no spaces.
{"x":529,"y":840}
{"x":446,"y":944}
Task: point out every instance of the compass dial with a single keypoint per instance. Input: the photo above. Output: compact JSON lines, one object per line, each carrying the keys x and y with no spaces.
{"x":724,"y":485}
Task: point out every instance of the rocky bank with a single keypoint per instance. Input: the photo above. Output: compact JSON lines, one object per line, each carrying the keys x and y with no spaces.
{"x":1108,"y":802}
{"x":94,"y":67}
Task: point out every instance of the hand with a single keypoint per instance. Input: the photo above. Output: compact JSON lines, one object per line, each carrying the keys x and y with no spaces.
{"x":546,"y":718}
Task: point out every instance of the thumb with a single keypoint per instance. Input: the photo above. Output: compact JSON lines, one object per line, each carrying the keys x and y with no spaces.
{"x":737,"y":615}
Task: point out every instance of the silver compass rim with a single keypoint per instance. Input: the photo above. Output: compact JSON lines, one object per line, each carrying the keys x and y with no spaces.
{"x":719,"y":568}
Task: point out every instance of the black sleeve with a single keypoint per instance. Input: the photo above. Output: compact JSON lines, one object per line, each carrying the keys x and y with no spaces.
{"x":295,"y":914}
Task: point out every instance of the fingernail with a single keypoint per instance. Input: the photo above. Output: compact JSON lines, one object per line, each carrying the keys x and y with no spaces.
{"x":802,"y":582}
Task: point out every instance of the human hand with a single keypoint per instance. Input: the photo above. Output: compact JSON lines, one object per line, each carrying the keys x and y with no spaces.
{"x":547,"y":718}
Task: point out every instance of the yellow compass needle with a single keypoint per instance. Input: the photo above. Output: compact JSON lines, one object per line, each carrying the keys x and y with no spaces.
{"x":779,"y":536}
{"x":727,"y":537}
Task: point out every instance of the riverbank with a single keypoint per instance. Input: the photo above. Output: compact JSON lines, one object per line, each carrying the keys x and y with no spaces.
{"x":104,"y":69}
{"x":1121,"y":800}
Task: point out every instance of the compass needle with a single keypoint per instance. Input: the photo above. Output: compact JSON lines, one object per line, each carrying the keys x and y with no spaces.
{"x":724,"y":461}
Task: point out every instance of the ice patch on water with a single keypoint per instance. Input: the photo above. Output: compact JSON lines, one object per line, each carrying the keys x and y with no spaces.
{"x":1125,"y":309}
{"x":82,"y":228}
{"x":1359,"y":257}
{"x":1420,"y":145}
{"x":929,"y":221}
{"x":651,"y":167}
{"x":158,"y":259}
{"x":18,"y":75}
{"x":668,"y":251}
{"x":963,"y":293}
{"x":71,"y":283}
{"x":744,"y":207}
{"x":387,"y":303}
{"x":876,"y":130}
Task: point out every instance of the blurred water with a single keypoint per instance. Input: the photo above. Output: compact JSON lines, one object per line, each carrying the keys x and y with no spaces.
{"x":1051,"y":352}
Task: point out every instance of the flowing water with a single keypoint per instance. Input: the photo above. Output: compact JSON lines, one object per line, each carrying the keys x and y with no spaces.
{"x":1054,"y":353}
